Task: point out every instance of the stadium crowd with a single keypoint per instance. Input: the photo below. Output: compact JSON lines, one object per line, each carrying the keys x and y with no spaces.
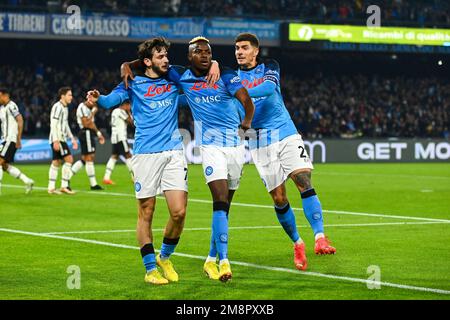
{"x":419,"y":12}
{"x":322,"y":106}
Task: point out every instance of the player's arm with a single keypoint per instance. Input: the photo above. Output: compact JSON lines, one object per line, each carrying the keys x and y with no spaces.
{"x":234,"y":86}
{"x":14,"y":111}
{"x":89,"y":123}
{"x":54,"y":124}
{"x":126,"y":71}
{"x":244,"y":98}
{"x":116,"y":97}
{"x":271,"y":79}
{"x":19,"y":120}
{"x":71,"y":136}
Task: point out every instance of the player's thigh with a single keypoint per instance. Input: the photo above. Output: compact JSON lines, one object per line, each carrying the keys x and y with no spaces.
{"x":175,"y":174}
{"x":268,"y":165}
{"x":214,"y":162}
{"x":176,"y":203}
{"x":148,"y":170}
{"x":293,"y":155}
{"x":235,"y":164}
{"x":64,"y":152}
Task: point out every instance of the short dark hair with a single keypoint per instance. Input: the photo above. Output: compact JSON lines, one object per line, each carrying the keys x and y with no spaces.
{"x":63,"y":91}
{"x":4,"y":90}
{"x":145,"y":49}
{"x":246,"y":36}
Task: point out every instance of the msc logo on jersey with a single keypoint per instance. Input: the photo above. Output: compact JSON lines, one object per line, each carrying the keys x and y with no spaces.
{"x":161,"y":104}
{"x":137,"y":186}
{"x":209,"y":170}
{"x":207,"y":99}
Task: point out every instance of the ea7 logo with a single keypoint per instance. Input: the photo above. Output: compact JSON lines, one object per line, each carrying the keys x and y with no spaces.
{"x":235,"y":79}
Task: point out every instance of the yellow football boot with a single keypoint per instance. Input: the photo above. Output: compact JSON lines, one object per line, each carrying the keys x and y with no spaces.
{"x":155,"y":277}
{"x":167,"y":267}
{"x":211,"y":271}
{"x":225,"y":272}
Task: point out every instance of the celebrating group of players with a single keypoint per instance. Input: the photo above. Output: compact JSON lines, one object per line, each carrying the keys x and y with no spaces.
{"x":227,"y":105}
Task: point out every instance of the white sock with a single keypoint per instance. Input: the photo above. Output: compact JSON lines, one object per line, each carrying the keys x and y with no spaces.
{"x":14,"y":172}
{"x":299,"y":241}
{"x":109,"y":168}
{"x":66,"y":174}
{"x":52,"y":176}
{"x":223,"y":261}
{"x":90,"y":170}
{"x":211,"y":259}
{"x":77,"y":166}
{"x":319,"y":235}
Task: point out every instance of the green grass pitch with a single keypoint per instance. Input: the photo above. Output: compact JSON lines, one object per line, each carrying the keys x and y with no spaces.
{"x":391,"y":216}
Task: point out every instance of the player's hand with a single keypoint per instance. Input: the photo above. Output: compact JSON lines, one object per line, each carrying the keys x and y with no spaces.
{"x":93,"y":95}
{"x":101,"y":139}
{"x":19,"y":144}
{"x":245,"y":125}
{"x":74,"y":144}
{"x":213,"y":74}
{"x":125,"y":73}
{"x":56,"y":146}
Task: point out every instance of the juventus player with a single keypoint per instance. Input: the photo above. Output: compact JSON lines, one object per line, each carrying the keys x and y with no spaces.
{"x":12,"y":125}
{"x":59,"y":132}
{"x":120,"y":118}
{"x":85,"y":117}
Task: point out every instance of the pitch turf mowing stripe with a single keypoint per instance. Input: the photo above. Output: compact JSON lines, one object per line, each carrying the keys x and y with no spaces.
{"x":252,"y":205}
{"x":244,"y":264}
{"x":255,"y":227}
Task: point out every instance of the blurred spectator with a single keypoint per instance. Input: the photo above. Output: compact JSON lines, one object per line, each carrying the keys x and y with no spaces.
{"x":421,"y":12}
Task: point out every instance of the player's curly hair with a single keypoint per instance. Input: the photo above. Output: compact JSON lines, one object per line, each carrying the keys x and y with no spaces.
{"x":145,"y":49}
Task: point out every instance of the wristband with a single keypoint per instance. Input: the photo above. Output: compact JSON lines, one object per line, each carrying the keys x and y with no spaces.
{"x":99,"y":133}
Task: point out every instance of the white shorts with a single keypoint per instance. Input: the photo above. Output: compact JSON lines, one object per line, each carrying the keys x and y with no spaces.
{"x":157,"y":172}
{"x":278,"y":160}
{"x":223,"y":163}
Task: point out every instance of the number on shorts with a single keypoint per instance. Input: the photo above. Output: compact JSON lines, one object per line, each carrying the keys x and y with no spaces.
{"x":185,"y":177}
{"x":302,"y":152}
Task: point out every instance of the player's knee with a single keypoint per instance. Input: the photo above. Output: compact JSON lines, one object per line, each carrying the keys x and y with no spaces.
{"x":279,"y":199}
{"x":302,"y":179}
{"x":146,"y":209}
{"x":179,"y":215}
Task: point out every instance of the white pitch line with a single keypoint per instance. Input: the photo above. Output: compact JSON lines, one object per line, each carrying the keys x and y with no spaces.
{"x":254,"y":227}
{"x":381,"y":215}
{"x":380,"y":175}
{"x":244,"y":264}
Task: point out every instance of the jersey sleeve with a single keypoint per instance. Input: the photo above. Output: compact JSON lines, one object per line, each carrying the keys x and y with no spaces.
{"x":232,"y":80}
{"x":175,"y":72}
{"x":57,"y":112}
{"x":123,"y":115}
{"x":116,"y":97}
{"x":272,"y":71}
{"x":14,"y":110}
